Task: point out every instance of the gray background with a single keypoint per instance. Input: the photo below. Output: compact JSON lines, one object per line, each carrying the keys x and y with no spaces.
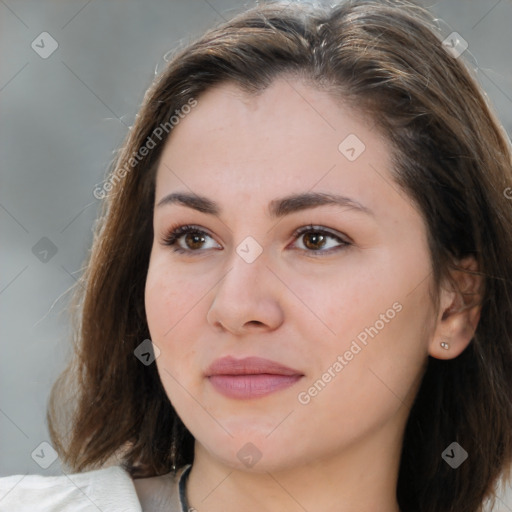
{"x":61,"y":120}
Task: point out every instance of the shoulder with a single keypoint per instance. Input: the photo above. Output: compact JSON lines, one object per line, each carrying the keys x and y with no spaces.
{"x":107,"y":489}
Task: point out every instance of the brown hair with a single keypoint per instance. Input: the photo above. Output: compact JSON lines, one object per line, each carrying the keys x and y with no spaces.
{"x":451,"y":157}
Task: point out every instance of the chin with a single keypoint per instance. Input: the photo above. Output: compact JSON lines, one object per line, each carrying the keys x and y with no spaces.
{"x":255,"y":452}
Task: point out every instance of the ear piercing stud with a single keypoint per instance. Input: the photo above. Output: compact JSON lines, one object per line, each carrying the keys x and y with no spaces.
{"x":445,"y":345}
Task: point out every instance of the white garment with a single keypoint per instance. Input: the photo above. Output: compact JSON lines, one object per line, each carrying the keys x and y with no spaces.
{"x":103,"y":490}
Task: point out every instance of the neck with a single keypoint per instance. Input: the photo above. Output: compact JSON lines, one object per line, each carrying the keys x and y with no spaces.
{"x":362,"y":476}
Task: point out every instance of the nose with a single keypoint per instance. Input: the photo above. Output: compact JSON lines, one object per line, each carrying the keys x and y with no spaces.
{"x":247,"y":299}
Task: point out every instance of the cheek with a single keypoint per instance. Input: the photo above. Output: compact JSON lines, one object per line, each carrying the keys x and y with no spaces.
{"x":169,"y":298}
{"x":379,"y":323}
{"x":344,"y":303}
{"x":173,"y":308}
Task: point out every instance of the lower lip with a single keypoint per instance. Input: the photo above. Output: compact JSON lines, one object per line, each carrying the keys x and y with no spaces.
{"x":251,"y":386}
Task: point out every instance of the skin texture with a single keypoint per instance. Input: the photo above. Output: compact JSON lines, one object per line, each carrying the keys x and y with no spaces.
{"x":341,"y":450}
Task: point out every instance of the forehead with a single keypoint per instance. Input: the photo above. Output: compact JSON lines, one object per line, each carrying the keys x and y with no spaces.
{"x":287,"y":111}
{"x":288,"y":138}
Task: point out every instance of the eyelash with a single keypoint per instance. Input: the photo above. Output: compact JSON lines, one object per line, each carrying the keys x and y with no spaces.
{"x":175,"y":233}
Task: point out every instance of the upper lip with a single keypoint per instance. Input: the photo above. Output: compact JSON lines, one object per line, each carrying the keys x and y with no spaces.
{"x":248,"y":366}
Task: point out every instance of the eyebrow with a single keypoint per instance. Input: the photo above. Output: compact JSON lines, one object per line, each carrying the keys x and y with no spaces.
{"x":277,"y":207}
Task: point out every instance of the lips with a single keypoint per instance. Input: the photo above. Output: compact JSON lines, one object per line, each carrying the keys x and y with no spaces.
{"x":248,"y":366}
{"x":251,"y":377}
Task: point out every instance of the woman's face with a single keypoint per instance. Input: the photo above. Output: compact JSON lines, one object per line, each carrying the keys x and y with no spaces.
{"x":332,"y":294}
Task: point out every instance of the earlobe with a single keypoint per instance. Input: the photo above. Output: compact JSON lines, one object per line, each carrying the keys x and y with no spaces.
{"x":454,"y":334}
{"x":459,"y":313}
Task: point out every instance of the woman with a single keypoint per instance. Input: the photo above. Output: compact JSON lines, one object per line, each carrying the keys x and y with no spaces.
{"x":299,"y":293}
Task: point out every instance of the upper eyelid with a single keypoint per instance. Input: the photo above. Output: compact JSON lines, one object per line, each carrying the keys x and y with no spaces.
{"x":185,"y":229}
{"x":320,"y":229}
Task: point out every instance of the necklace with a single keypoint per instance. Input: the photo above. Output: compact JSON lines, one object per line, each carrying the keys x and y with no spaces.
{"x":182,"y":489}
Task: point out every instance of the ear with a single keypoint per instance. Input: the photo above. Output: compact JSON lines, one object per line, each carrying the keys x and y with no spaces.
{"x":459,"y":311}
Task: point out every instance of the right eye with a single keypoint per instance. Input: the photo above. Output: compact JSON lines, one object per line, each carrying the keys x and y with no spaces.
{"x":189,"y":239}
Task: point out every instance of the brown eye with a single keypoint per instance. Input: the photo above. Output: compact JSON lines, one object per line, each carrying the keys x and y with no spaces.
{"x":314,"y":240}
{"x":317,"y":240}
{"x":194,"y":240}
{"x":190,"y":239}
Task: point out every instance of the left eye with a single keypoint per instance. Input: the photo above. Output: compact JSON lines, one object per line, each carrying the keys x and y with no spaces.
{"x":313,"y":239}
